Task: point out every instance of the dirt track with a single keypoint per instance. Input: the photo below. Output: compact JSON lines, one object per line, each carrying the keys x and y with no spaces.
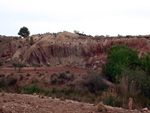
{"x":14,"y":103}
{"x":22,"y":103}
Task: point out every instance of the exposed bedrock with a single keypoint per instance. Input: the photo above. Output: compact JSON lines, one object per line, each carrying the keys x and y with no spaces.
{"x":86,"y":52}
{"x":69,"y":49}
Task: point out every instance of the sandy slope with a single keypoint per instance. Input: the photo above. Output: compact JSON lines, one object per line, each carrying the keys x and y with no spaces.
{"x":22,"y":103}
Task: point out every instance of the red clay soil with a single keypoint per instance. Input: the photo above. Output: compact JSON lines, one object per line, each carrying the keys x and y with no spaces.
{"x":51,"y":70}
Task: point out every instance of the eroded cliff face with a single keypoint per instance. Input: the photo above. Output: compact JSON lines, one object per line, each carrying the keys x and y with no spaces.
{"x":69,"y":49}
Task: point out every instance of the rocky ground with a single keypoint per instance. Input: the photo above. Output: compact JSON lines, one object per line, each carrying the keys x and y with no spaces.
{"x":23,"y":103}
{"x":60,"y":52}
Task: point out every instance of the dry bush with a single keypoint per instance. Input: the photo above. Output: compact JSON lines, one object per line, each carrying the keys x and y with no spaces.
{"x":95,"y":82}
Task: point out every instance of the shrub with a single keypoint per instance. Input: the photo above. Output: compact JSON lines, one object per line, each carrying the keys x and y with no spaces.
{"x":2,"y":83}
{"x":67,"y":71}
{"x":119,"y":57}
{"x":68,"y":91}
{"x":21,"y":77}
{"x":135,"y":84}
{"x":12,"y":81}
{"x":53,"y":81}
{"x":31,"y":40}
{"x":53,"y":91}
{"x":14,"y":64}
{"x":141,"y":80}
{"x":145,"y":63}
{"x":62,"y":75}
{"x":70,"y":77}
{"x":35,"y":80}
{"x":32,"y":89}
{"x":35,"y":65}
{"x":60,"y":81}
{"x":76,"y":32}
{"x":109,"y":100}
{"x":19,"y":65}
{"x":95,"y":82}
{"x":24,"y":32}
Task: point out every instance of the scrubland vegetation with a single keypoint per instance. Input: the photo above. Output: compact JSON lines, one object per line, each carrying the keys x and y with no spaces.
{"x":128,"y":74}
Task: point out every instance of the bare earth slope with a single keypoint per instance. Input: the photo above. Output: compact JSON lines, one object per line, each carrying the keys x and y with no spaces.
{"x":66,"y":49}
{"x":17,"y":103}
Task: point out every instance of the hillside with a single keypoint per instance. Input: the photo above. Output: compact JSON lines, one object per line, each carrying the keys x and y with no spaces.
{"x":66,"y":68}
{"x":66,"y":49}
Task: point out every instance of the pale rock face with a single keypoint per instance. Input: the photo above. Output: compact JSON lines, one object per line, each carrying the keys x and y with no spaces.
{"x":68,"y":49}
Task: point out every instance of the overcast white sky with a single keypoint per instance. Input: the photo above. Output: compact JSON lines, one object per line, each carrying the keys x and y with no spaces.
{"x":94,"y":17}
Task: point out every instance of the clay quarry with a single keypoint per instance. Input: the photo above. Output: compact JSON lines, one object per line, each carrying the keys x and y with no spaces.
{"x":56,"y":71}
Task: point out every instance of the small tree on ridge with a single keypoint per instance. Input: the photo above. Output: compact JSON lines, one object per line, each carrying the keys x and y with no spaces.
{"x":24,"y":32}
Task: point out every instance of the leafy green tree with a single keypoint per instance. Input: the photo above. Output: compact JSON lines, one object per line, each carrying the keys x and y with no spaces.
{"x":120,"y":57}
{"x":24,"y":32}
{"x":145,"y":63}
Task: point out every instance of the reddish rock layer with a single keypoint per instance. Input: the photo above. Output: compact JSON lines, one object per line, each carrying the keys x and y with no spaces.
{"x":72,"y":49}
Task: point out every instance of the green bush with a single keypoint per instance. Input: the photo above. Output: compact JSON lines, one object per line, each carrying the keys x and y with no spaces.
{"x":62,"y":76}
{"x":109,"y":100}
{"x":24,"y":32}
{"x":32,"y":89}
{"x":141,"y":80}
{"x":35,"y":65}
{"x":19,"y":65}
{"x":145,"y":63}
{"x":67,"y":71}
{"x":70,"y":77}
{"x":2,"y":83}
{"x":119,"y":57}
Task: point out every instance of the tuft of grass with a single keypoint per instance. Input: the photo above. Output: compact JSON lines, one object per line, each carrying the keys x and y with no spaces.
{"x":67,"y":71}
{"x":62,"y":75}
{"x":32,"y":89}
{"x":2,"y":83}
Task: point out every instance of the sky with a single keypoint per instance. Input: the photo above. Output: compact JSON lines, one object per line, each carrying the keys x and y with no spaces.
{"x":93,"y":17}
